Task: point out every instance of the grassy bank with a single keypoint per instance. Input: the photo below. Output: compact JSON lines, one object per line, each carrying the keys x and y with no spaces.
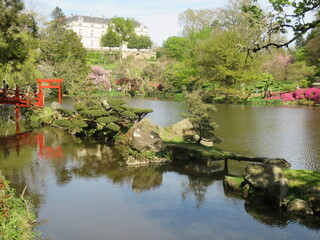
{"x":16,"y":215}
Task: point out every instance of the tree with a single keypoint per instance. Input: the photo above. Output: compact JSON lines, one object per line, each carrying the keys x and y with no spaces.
{"x":139,"y":42}
{"x":110,"y":39}
{"x":62,"y":49}
{"x":17,"y":33}
{"x":176,"y":47}
{"x":199,"y":116}
{"x":123,"y":27}
{"x":196,"y":20}
{"x":280,"y":20}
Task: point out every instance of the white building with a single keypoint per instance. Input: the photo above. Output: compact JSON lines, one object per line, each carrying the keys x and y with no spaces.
{"x":91,"y":29}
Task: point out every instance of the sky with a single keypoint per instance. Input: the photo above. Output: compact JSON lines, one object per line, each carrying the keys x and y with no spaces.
{"x":160,"y":16}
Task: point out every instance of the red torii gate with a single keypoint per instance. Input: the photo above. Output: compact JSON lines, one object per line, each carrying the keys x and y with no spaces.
{"x":49,"y":85}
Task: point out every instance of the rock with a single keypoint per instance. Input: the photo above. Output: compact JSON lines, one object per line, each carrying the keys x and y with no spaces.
{"x":143,"y":136}
{"x":105,"y":104}
{"x":279,"y":162}
{"x":230,"y":183}
{"x":300,"y":207}
{"x":313,"y":199}
{"x":182,"y":129}
{"x":278,"y":190}
{"x":262,"y":176}
{"x":55,"y":105}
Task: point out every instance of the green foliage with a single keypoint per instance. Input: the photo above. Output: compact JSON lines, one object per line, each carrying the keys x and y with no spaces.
{"x":79,"y":123}
{"x":198,"y":114}
{"x":176,"y":47}
{"x":107,"y":120}
{"x":63,"y":123}
{"x":113,"y":127}
{"x":65,"y":112}
{"x":124,"y":27}
{"x":16,"y":214}
{"x":128,"y":114}
{"x":139,"y":42}
{"x":62,"y":51}
{"x":116,"y":102}
{"x":93,"y":113}
{"x":141,"y":113}
{"x":110,"y":39}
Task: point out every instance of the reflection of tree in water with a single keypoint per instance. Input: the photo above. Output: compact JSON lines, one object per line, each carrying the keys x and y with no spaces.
{"x":196,"y":186}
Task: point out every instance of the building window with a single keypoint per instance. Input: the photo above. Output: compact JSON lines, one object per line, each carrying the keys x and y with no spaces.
{"x":103,"y":26}
{"x":103,"y":32}
{"x":92,"y":33}
{"x":92,"y":43}
{"x":92,"y":25}
{"x":80,"y":19}
{"x":80,"y":32}
{"x":80,"y":24}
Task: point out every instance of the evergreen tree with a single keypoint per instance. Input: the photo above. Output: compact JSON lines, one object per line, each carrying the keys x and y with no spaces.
{"x":199,"y":116}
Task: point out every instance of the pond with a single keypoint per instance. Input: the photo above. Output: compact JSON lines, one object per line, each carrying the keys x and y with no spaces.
{"x":80,"y":191}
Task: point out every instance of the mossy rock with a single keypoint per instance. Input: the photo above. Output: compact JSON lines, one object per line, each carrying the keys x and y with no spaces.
{"x":93,"y":113}
{"x":113,"y":127}
{"x":107,"y":120}
{"x":79,"y":123}
{"x":65,"y":112}
{"x":63,"y":123}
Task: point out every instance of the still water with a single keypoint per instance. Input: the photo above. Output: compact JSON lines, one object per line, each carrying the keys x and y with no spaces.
{"x":80,"y":191}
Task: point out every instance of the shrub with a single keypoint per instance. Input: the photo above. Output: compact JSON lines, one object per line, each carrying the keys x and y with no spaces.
{"x":113,"y":127}
{"x":63,"y":123}
{"x":107,"y":120}
{"x":65,"y":112}
{"x":93,"y":113}
{"x":16,"y":214}
{"x":128,"y":114}
{"x":79,"y":123}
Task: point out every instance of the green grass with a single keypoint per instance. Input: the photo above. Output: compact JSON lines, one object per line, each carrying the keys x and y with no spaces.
{"x":300,"y":180}
{"x":16,"y":215}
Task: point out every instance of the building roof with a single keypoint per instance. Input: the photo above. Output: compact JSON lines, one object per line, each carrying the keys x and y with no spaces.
{"x":88,"y":19}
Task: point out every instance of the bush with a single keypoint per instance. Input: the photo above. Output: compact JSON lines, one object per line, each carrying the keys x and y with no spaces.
{"x":65,"y":112}
{"x":113,"y":127}
{"x":16,"y":215}
{"x":93,"y":113}
{"x":107,"y":120}
{"x":63,"y":123}
{"x":79,"y":123}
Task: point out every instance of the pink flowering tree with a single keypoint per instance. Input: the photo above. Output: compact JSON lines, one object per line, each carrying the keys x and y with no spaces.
{"x":100,"y":77}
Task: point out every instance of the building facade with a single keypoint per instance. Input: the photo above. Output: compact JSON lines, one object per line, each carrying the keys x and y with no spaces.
{"x":91,"y":29}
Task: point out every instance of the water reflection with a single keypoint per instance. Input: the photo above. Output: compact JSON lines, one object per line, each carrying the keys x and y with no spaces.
{"x":86,"y":193}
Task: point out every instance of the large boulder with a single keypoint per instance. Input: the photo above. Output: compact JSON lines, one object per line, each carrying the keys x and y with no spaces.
{"x":278,"y":190}
{"x":262,"y":176}
{"x":300,"y":207}
{"x":55,"y":105}
{"x":144,"y":136}
{"x":181,"y":129}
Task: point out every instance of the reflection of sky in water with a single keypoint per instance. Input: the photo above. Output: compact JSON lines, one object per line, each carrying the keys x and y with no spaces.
{"x":290,"y":133}
{"x":86,"y":195}
{"x":165,"y":112}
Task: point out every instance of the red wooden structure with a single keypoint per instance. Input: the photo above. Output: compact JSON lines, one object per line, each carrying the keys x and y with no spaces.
{"x":27,"y":99}
{"x":48,"y":83}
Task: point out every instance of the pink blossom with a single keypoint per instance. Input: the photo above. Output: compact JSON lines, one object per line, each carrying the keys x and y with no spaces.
{"x":309,"y":94}
{"x":299,"y":93}
{"x":287,"y":97}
